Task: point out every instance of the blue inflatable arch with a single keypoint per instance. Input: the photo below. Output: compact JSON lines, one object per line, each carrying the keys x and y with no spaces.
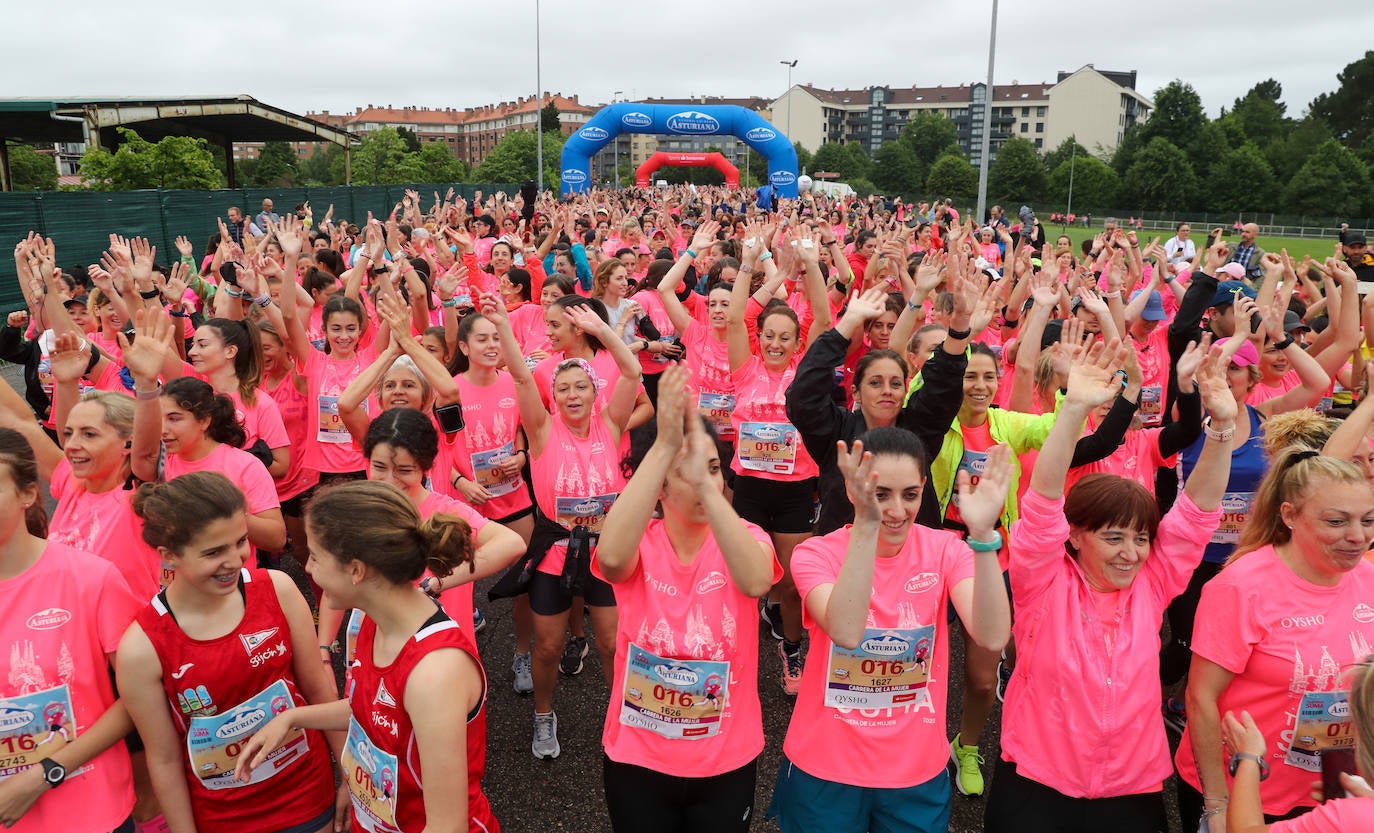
{"x":678,"y":120}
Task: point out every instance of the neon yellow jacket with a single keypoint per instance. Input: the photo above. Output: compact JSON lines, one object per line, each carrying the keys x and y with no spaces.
{"x":1023,"y":432}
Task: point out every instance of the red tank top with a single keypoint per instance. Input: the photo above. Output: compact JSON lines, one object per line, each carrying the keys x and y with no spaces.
{"x":223,"y":690}
{"x":381,"y":761}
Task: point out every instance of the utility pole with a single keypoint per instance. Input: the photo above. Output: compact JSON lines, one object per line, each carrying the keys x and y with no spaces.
{"x":539,"y":107}
{"x":615,"y":96}
{"x":987,"y":120}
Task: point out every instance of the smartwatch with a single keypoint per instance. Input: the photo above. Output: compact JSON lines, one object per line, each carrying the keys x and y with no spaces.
{"x":53,"y":772}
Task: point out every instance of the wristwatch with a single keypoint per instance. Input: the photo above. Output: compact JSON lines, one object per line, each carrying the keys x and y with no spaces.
{"x":53,"y":772}
{"x":1237,"y":757}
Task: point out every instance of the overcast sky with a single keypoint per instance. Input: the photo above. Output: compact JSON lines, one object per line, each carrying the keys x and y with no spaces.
{"x":314,"y":57}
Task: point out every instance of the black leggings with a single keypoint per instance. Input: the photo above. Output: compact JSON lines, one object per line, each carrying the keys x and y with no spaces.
{"x":1177,"y":653}
{"x":644,"y":801}
{"x":1017,"y":804}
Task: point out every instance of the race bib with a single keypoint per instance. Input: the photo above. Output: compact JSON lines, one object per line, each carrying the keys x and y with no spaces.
{"x":584,"y":511}
{"x":486,"y":473}
{"x":34,"y":727}
{"x":890,"y":667}
{"x":717,"y":407}
{"x":1151,"y":405}
{"x":973,"y":462}
{"x":331,"y":429}
{"x":1323,"y":723}
{"x":215,"y":741}
{"x":371,"y":776}
{"x":1235,"y":508}
{"x":1325,"y":404}
{"x":679,"y":699}
{"x":768,"y":447}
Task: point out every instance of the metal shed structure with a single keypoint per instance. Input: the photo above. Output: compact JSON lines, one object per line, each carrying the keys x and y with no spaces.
{"x":221,"y":120}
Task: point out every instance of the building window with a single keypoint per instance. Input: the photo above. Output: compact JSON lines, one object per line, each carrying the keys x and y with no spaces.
{"x":1025,"y":127}
{"x":1025,"y":112}
{"x":1039,"y":112}
{"x":1039,"y":127}
{"x":1039,"y":142}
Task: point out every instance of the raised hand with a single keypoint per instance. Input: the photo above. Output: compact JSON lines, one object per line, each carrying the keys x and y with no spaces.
{"x":1213,"y":386}
{"x":1093,"y":377}
{"x":153,"y":342}
{"x":184,"y":246}
{"x":859,"y":481}
{"x":981,"y":505}
{"x":866,"y":307}
{"x":672,"y":408}
{"x":1186,"y":368}
{"x":69,"y":357}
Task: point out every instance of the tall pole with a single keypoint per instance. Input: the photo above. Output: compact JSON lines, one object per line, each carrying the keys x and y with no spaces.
{"x":615,"y":96}
{"x":1073,"y":158}
{"x":987,"y":120}
{"x":539,"y":108}
{"x":791,"y":65}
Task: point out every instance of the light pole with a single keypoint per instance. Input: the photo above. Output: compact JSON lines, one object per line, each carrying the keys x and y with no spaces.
{"x":539,"y":108}
{"x":1073,"y":158}
{"x":987,"y":120}
{"x":615,"y":96}
{"x":791,"y":65}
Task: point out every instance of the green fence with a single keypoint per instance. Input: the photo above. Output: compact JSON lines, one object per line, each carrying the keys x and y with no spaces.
{"x":80,"y":222}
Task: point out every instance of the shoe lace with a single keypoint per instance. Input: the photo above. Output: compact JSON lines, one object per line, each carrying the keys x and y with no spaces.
{"x":970,"y":759}
{"x":793,"y":664}
{"x":543,"y":728}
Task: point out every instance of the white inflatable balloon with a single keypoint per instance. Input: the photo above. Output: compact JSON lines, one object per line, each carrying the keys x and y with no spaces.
{"x":803,"y":184}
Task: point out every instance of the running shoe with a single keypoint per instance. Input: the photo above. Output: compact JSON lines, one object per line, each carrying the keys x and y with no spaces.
{"x":1004,"y":670}
{"x":479,"y":622}
{"x":791,"y":670}
{"x":524,"y":675}
{"x":771,"y":615}
{"x":545,"y":736}
{"x":1175,"y":716}
{"x":570,"y":664}
{"x":968,"y":776}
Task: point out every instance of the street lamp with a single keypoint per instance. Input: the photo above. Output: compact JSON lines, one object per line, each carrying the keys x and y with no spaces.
{"x":987,"y":119}
{"x":1073,"y":158}
{"x":539,"y":108}
{"x":791,"y":65}
{"x":615,"y":96}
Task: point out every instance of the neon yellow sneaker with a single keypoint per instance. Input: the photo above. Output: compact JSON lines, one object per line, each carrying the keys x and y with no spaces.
{"x":968,"y":773}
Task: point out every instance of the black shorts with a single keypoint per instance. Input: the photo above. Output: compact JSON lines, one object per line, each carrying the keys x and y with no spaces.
{"x":294,"y":507}
{"x":784,"y":507}
{"x":641,"y":799}
{"x":548,"y":599}
{"x":330,"y":478}
{"x":515,"y":516}
{"x":1017,"y":804}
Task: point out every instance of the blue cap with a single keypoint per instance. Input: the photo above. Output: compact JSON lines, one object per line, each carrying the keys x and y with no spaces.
{"x":1226,"y":292}
{"x":1154,"y":307}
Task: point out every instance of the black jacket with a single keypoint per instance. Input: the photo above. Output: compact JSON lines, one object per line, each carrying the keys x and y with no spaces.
{"x":822,"y":423}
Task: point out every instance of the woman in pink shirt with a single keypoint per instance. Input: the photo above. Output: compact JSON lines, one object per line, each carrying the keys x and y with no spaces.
{"x":866,"y":746}
{"x":64,"y":612}
{"x":682,"y":745}
{"x":1291,"y":608}
{"x":1342,"y":815}
{"x":1091,"y":576}
{"x":228,"y":355}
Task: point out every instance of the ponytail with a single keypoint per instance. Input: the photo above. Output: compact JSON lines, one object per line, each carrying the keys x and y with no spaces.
{"x":376,"y":524}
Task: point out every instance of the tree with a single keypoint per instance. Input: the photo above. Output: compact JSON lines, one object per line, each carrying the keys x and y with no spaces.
{"x":382,"y":159}
{"x":1017,"y":176}
{"x":1063,"y":153}
{"x":952,"y":176}
{"x":276,"y":166}
{"x":1132,"y":143}
{"x":860,"y":166}
{"x":1333,"y":182}
{"x":437,"y":164}
{"x":31,"y":169}
{"x":548,"y":118}
{"x":832,"y":157}
{"x":897,"y":171}
{"x":513,"y":159}
{"x":1242,"y":181}
{"x":1260,"y":113}
{"x":929,"y":135}
{"x":319,"y":167}
{"x":1349,"y":109}
{"x":1161,"y":178}
{"x":1209,"y":148}
{"x":1095,"y":184}
{"x":173,"y":162}
{"x":804,"y":158}
{"x":408,"y":136}
{"x":1287,"y":155}
{"x":1177,"y":116}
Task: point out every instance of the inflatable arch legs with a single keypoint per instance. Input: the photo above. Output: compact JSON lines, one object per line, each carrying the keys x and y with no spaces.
{"x":678,"y":120}
{"x":662,"y":159}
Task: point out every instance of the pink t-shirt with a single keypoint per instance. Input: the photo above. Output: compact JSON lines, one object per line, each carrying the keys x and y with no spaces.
{"x":688,"y":612}
{"x":709,"y":360}
{"x":295,"y":411}
{"x":530,"y":327}
{"x":1283,"y":638}
{"x":456,"y":601}
{"x":243,"y":470}
{"x":900,"y":746}
{"x":767,"y":445}
{"x":105,"y":524}
{"x":1137,"y":458}
{"x":1344,"y":815}
{"x":328,"y":445}
{"x":491,"y":425}
{"x":1263,"y":392}
{"x":652,"y":305}
{"x":1153,"y":356}
{"x":576,"y":481}
{"x":62,"y":618}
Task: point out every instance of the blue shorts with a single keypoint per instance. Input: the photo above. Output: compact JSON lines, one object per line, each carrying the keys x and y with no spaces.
{"x":803,"y":803}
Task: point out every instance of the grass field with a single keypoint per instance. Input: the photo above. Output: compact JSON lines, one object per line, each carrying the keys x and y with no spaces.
{"x":1296,"y":246}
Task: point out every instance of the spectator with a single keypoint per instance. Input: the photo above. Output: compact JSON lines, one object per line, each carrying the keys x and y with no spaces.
{"x":1247,"y":254}
{"x":1357,"y":256}
{"x":1180,"y":248}
{"x":267,"y":216}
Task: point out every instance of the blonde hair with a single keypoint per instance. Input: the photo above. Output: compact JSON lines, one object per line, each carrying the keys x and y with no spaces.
{"x":1288,"y":480}
{"x":1303,"y":428}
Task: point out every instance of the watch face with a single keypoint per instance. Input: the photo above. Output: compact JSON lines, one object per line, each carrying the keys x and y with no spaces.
{"x":55,"y":773}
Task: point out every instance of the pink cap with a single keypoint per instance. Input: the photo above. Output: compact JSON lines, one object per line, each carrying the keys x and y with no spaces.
{"x":1234,"y":270}
{"x":1247,"y":355}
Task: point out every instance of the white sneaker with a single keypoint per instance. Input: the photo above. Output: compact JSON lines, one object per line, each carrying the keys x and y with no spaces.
{"x":524,"y":675}
{"x":545,"y":736}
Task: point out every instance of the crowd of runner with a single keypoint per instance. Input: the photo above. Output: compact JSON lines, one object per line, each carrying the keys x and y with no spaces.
{"x":1135,"y":477}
